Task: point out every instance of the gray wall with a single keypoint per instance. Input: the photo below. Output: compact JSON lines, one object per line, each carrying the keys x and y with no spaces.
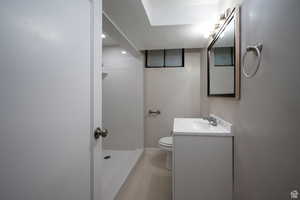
{"x":266,"y":118}
{"x":123,"y":100}
{"x":175,"y":92}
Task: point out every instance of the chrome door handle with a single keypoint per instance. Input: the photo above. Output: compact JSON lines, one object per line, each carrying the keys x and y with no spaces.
{"x":99,"y":132}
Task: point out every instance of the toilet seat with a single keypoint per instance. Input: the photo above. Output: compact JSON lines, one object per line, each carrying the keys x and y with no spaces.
{"x":166,"y":143}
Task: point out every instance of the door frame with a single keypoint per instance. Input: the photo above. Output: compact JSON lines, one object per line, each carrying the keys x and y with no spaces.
{"x":96,"y":98}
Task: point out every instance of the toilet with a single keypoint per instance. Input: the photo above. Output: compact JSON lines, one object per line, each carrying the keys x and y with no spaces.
{"x":166,"y":144}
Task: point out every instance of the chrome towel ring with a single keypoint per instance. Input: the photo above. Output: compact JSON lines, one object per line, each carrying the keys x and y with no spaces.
{"x":257,"y":48}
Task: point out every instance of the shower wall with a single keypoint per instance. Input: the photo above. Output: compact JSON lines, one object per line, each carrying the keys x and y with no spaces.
{"x":123,"y":102}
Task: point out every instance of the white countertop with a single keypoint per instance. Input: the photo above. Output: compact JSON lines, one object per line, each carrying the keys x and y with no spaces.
{"x":201,"y":127}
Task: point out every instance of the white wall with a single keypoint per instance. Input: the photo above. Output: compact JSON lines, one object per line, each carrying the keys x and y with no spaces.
{"x":123,"y":100}
{"x":175,"y":92}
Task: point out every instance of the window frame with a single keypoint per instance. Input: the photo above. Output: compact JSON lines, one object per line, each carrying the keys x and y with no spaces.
{"x":164,"y":65}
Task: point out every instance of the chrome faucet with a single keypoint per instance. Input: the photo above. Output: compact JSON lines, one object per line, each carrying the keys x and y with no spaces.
{"x":212,"y":121}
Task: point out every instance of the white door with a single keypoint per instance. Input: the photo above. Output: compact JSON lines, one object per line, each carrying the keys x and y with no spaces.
{"x":48,"y":99}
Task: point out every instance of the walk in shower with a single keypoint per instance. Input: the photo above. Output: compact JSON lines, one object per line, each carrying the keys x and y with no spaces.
{"x":122,"y":85}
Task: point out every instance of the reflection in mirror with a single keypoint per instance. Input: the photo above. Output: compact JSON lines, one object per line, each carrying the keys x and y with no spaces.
{"x":222,"y":62}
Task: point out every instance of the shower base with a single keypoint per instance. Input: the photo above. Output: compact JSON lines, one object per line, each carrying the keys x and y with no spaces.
{"x":116,"y":169}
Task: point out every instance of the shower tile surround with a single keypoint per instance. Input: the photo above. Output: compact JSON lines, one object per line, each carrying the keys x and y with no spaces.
{"x":123,"y":100}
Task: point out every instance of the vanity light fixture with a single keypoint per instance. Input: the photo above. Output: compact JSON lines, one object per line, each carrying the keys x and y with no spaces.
{"x":217,"y":26}
{"x":103,"y":36}
{"x":222,"y":18}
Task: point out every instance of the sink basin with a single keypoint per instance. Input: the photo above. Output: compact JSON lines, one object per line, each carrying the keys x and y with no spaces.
{"x":199,"y":123}
{"x":200,"y":126}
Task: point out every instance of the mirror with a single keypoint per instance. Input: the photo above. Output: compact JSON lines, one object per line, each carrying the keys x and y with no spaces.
{"x":223,"y":62}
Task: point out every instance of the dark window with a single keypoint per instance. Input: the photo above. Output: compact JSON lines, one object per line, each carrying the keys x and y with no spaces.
{"x":164,"y":58}
{"x":155,"y":58}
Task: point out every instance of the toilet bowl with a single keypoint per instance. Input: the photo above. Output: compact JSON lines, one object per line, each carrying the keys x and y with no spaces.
{"x":166,"y":144}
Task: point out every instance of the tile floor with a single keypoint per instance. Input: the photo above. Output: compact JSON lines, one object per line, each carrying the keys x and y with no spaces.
{"x":150,"y":180}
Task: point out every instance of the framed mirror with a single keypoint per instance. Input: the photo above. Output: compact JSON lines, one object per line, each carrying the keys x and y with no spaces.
{"x":223,"y":59}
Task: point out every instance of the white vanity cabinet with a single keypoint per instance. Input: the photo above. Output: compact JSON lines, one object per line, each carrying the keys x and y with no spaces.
{"x":202,"y":161}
